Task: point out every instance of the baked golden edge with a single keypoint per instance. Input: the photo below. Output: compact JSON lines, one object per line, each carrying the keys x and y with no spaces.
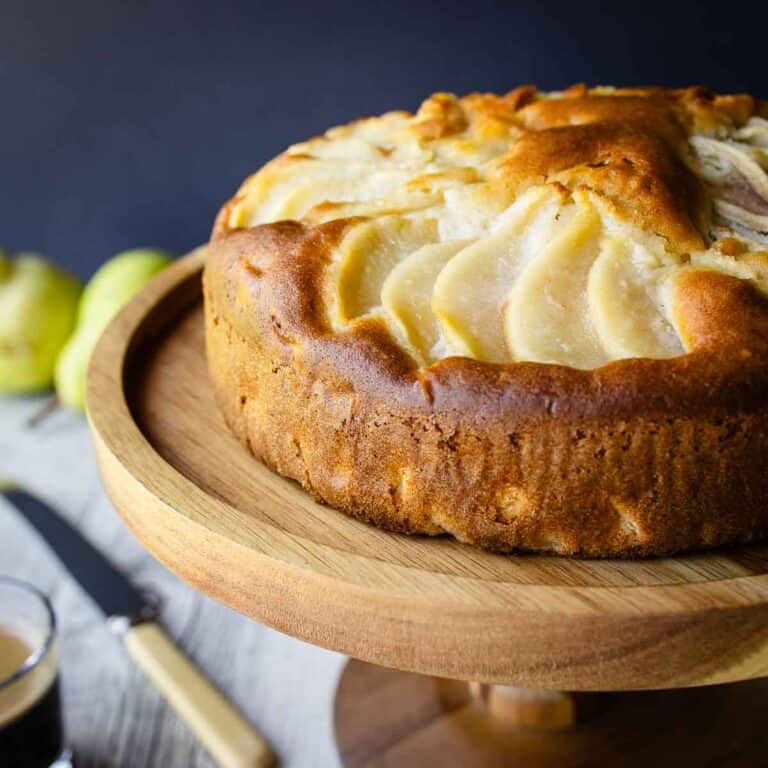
{"x":640,"y":457}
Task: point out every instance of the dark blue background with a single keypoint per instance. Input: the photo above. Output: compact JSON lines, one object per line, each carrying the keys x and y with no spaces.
{"x":129,"y":123}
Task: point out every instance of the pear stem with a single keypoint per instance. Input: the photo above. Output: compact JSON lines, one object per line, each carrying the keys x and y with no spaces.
{"x":42,"y":413}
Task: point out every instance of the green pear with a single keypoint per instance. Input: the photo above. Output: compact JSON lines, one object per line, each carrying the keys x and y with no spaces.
{"x":38,"y":309}
{"x":108,"y":291}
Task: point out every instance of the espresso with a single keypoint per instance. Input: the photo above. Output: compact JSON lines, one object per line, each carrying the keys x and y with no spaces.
{"x":30,"y":706}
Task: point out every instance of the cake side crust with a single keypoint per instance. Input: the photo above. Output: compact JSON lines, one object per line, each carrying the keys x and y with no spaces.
{"x":399,"y":454}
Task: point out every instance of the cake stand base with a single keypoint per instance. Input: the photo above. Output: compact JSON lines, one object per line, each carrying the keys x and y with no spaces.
{"x":389,"y":718}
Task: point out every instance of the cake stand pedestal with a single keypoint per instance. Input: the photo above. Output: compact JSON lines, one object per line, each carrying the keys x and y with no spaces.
{"x":533,"y":625}
{"x":387,"y":719}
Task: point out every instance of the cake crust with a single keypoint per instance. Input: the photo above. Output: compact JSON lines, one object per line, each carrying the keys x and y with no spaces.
{"x":635,"y":457}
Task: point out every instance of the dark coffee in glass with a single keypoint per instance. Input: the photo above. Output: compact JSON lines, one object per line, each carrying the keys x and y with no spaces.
{"x":31,"y":733}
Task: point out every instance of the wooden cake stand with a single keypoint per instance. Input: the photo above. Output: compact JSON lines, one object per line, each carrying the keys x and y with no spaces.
{"x":534,"y":626}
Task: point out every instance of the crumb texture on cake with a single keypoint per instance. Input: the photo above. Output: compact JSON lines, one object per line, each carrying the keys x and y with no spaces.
{"x":534,"y":321}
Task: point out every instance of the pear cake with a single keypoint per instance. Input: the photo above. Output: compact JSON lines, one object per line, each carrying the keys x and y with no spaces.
{"x":535,"y":321}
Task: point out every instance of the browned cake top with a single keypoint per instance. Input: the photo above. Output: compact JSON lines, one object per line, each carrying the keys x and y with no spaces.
{"x":575,"y":228}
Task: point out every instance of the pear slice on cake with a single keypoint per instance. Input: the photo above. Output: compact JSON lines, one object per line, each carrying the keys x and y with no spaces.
{"x":546,"y":316}
{"x":621,"y":292}
{"x":294,"y":185}
{"x":365,"y":257}
{"x":470,"y":291}
{"x":406,"y":294}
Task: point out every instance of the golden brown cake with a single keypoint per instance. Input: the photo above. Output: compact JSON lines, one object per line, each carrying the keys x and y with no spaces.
{"x":535,"y":321}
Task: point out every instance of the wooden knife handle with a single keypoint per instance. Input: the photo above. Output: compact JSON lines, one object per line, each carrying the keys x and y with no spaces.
{"x":222,"y":730}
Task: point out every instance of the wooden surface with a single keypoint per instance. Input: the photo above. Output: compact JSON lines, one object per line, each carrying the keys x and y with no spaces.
{"x":114,"y":716}
{"x":200,"y":503}
{"x":391,"y":719}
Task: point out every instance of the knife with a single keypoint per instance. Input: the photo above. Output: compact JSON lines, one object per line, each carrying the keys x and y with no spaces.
{"x":133,"y":615}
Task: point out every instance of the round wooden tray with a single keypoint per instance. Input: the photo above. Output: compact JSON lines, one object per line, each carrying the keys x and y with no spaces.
{"x":205,"y":508}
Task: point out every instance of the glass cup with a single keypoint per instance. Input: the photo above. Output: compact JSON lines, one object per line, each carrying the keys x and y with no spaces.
{"x":31,"y":732}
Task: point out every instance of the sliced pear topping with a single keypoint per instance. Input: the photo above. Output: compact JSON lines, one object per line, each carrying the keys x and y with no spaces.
{"x":546,"y":316}
{"x":419,"y":193}
{"x":356,"y":185}
{"x":737,"y":174}
{"x":400,"y":202}
{"x":406,"y":295}
{"x":347,"y":148}
{"x":366,"y":256}
{"x":470,"y":211}
{"x":718,"y":160}
{"x":297,"y":184}
{"x":740,"y":215}
{"x":755,"y":132}
{"x":470,"y":290}
{"x":751,"y":266}
{"x":295,"y":200}
{"x":626,"y":317}
{"x":441,"y":244}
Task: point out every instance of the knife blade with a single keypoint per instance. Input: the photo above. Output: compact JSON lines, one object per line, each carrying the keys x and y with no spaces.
{"x":132,"y":614}
{"x":108,"y":588}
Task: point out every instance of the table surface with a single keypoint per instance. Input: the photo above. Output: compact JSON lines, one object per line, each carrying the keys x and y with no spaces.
{"x":114,"y":717}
